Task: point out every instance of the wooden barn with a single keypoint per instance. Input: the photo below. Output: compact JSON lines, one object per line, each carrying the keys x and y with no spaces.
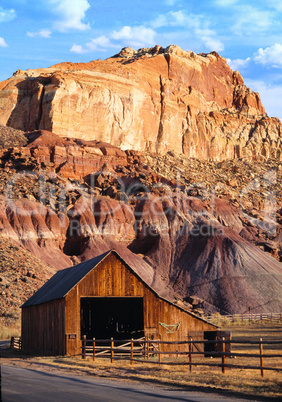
{"x":115,"y":294}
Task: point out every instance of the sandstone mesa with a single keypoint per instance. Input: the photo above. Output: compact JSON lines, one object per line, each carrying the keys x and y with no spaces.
{"x":152,"y":99}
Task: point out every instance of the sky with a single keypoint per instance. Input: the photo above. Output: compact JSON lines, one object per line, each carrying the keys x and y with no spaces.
{"x":40,"y":33}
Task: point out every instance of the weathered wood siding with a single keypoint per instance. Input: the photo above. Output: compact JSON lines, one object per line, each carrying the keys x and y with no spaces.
{"x":43,"y":328}
{"x":112,"y":278}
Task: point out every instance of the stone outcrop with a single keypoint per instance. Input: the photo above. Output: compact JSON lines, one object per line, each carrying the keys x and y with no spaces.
{"x":154,"y":99}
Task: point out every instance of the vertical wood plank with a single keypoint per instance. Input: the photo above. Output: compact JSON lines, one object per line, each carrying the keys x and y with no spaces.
{"x":94,"y":351}
{"x":261,"y":357}
{"x":190,"y":354}
{"x":131,"y":351}
{"x":84,"y":347}
{"x":223,"y":356}
{"x":112,"y":350}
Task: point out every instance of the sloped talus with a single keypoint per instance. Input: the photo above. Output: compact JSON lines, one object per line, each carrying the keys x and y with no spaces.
{"x":228,"y":272}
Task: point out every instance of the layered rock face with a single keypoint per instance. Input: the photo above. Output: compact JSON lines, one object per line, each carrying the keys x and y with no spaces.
{"x":203,"y":233}
{"x":154,"y":99}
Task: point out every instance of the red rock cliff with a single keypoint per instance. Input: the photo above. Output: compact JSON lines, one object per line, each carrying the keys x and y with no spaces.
{"x":155,"y":99}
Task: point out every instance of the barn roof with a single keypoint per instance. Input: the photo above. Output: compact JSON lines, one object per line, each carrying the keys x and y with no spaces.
{"x":63,"y":281}
{"x":58,"y":286}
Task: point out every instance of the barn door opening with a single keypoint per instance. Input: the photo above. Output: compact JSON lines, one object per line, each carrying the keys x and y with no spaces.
{"x":112,"y":317}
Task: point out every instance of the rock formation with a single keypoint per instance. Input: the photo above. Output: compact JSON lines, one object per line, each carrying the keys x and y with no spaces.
{"x":154,"y":99}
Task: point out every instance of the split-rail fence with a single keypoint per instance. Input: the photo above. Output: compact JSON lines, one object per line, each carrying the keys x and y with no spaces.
{"x":245,"y":317}
{"x":149,"y":351}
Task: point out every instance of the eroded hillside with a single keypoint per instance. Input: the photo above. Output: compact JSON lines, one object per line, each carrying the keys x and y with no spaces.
{"x":211,"y":230}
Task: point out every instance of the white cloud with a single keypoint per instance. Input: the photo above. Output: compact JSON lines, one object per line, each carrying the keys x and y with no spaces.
{"x":251,"y":20}
{"x":212,"y":44}
{"x":71,"y":14}
{"x":225,"y":3}
{"x":100,"y":43}
{"x":171,"y":2}
{"x":7,"y":15}
{"x":138,"y":36}
{"x":277,"y":5}
{"x":208,"y":38}
{"x":271,"y":56}
{"x":3,"y":43}
{"x":135,"y":36}
{"x":44,"y":33}
{"x":77,"y":49}
{"x":176,"y":19}
{"x":271,"y":96}
{"x":238,"y":64}
{"x":196,"y":24}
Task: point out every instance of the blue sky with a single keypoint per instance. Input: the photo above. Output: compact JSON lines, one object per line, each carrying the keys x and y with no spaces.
{"x":39,"y":33}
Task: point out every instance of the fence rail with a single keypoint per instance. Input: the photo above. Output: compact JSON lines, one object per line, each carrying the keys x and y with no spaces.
{"x":16,"y":343}
{"x":145,"y":348}
{"x":245,"y":317}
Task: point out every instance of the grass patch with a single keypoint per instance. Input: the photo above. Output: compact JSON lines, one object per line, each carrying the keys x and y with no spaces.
{"x":8,"y":330}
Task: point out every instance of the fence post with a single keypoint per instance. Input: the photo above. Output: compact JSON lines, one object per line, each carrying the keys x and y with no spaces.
{"x":112,"y":350}
{"x":223,"y":355}
{"x":190,"y":354}
{"x":159,"y":349}
{"x":20,"y":343}
{"x":94,"y":346}
{"x":12,"y":344}
{"x":145,"y":348}
{"x":261,"y":358}
{"x":131,"y":352}
{"x":84,"y":347}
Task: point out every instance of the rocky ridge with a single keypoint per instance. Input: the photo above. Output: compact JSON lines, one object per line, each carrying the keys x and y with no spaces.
{"x":156,"y":99}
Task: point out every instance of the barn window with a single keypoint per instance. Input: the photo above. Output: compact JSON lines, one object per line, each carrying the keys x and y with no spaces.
{"x":117,"y":317}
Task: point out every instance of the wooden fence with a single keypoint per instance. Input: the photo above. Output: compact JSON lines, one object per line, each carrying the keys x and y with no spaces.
{"x":16,"y":343}
{"x":244,"y":317}
{"x":149,"y":351}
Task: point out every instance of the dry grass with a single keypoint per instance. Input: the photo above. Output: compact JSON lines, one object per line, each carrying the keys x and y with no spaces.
{"x":237,"y":382}
{"x":222,"y":321}
{"x":8,"y":330}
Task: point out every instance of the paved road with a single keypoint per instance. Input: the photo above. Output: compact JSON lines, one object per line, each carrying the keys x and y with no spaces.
{"x":5,"y":344}
{"x":23,"y":385}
